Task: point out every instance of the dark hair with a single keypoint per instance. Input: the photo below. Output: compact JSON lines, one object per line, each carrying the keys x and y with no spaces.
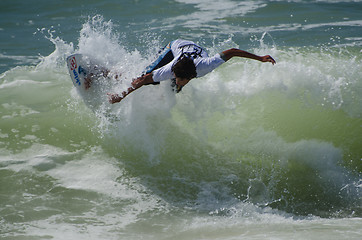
{"x":185,"y":68}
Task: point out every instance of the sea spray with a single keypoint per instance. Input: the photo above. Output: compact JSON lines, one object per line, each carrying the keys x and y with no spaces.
{"x":153,"y":125}
{"x":250,"y":151}
{"x":230,"y":136}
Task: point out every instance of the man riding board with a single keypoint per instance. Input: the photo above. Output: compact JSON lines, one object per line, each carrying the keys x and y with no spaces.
{"x":181,"y":61}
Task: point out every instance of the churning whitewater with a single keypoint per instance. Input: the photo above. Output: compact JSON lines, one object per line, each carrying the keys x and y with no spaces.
{"x":249,"y":151}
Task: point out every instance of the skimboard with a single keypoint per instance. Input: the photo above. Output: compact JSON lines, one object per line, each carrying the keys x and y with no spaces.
{"x":78,"y":68}
{"x":88,"y":77}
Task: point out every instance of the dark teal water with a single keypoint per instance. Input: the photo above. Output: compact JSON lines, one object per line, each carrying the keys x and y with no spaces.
{"x":250,"y":151}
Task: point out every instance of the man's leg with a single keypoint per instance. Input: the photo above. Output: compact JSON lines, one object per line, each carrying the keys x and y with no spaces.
{"x":165,"y":57}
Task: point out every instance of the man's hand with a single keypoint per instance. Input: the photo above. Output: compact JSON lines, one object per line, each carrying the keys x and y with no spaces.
{"x":143,"y":80}
{"x":114,"y":98}
{"x":268,"y":58}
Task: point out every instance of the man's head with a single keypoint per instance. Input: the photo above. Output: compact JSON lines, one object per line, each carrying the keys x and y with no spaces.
{"x":184,"y":69}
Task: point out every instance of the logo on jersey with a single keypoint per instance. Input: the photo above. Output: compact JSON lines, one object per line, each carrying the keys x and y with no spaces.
{"x":191,"y":51}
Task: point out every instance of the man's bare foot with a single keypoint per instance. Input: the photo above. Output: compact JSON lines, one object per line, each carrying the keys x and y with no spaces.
{"x":110,"y":74}
{"x":88,"y":81}
{"x":105,"y":73}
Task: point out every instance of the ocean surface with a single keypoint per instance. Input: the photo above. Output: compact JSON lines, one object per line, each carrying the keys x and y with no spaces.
{"x":249,"y":151}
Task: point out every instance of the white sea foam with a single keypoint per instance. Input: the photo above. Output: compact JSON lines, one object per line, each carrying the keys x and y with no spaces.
{"x":210,"y":11}
{"x":200,"y":164}
{"x":19,"y":82}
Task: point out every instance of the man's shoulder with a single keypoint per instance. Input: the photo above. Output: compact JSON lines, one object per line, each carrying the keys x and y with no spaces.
{"x":181,"y":42}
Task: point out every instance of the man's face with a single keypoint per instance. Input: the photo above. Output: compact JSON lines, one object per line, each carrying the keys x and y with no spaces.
{"x":182,"y":81}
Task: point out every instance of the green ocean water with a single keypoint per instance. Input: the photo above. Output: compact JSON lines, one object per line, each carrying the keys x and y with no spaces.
{"x":249,"y":151}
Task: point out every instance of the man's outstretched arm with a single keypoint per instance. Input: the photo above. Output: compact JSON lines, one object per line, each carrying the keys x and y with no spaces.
{"x":234,"y":52}
{"x":137,"y":83}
